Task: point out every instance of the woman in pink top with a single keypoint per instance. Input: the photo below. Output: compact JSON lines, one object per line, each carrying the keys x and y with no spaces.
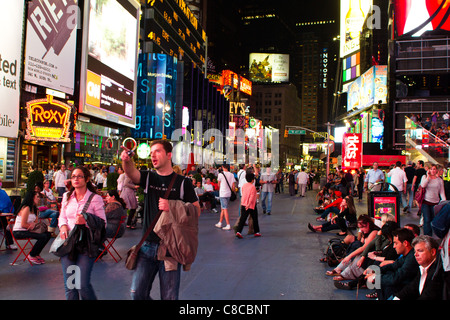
{"x":248,"y":206}
{"x":71,"y":208}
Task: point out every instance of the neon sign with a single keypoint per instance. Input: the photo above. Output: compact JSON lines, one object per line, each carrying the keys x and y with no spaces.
{"x":48,"y":120}
{"x":352,"y":151}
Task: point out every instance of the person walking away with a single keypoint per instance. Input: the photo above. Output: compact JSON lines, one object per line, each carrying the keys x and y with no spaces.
{"x":248,"y":206}
{"x":302,"y":181}
{"x":128,"y":194}
{"x":291,"y":181}
{"x":434,"y":193}
{"x":268,"y":181}
{"x":410,"y":171}
{"x":420,"y":172}
{"x":399,"y":180}
{"x":227,"y":183}
{"x":82,"y":193}
{"x":155,"y":184}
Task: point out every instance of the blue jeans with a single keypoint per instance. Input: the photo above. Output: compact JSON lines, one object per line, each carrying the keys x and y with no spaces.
{"x":428,"y":216}
{"x":268,"y":195}
{"x":410,"y":192}
{"x":335,"y":210}
{"x":147,"y":267}
{"x":52,"y":214}
{"x":85,"y":289}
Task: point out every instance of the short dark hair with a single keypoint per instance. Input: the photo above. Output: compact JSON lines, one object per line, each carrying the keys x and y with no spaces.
{"x":415,"y":228}
{"x":165,"y":143}
{"x":249,"y":176}
{"x":404,"y":234}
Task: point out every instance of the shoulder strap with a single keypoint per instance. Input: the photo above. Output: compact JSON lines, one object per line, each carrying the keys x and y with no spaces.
{"x":226,"y":181}
{"x":150,"y":228}
{"x":88,"y":202}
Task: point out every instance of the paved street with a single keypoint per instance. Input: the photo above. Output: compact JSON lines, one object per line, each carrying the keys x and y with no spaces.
{"x":281,"y":265}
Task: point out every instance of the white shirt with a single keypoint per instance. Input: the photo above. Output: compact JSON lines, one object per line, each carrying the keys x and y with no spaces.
{"x":60,"y":177}
{"x":224,"y":190}
{"x":241,"y":177}
{"x":423,"y":276}
{"x":398,"y":177}
{"x":208,"y":187}
{"x":302,"y":178}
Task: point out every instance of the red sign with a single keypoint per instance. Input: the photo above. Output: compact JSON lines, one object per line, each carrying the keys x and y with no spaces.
{"x":352,"y":151}
{"x":382,"y":160}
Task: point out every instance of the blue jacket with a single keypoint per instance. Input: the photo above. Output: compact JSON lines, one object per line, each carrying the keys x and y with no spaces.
{"x":5,"y":202}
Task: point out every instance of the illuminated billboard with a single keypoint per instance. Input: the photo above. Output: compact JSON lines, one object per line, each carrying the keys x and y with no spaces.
{"x":11,"y":19}
{"x":48,"y":120}
{"x":109,"y":63}
{"x":269,"y":67}
{"x":353,"y":14}
{"x":352,"y":151}
{"x":413,"y":18}
{"x":368,"y":89}
{"x":51,"y":44}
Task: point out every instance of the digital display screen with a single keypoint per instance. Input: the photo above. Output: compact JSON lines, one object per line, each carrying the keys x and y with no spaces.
{"x":110,"y":57}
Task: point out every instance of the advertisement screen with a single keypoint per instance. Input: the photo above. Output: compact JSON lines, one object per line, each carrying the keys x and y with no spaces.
{"x":413,"y":18}
{"x":110,"y":60}
{"x":269,"y":67}
{"x":353,"y":15}
{"x":368,"y":89}
{"x":352,"y":151}
{"x":384,"y":204}
{"x":11,"y":19}
{"x":51,"y":44}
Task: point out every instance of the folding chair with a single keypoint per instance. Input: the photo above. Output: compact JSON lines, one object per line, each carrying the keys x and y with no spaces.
{"x":21,"y":248}
{"x":109,"y":244}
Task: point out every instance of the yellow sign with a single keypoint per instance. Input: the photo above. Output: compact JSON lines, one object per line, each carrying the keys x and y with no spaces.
{"x":48,"y":120}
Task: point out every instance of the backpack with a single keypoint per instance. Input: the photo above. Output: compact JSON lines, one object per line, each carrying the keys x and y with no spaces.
{"x":335,"y":251}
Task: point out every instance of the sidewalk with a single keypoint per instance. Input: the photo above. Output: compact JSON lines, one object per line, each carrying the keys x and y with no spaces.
{"x":281,"y":265}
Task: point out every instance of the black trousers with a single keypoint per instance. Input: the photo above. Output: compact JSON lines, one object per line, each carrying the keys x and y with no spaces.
{"x":244,"y":215}
{"x":42,"y":239}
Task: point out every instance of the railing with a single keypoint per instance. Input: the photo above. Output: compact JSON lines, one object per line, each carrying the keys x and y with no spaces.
{"x":421,"y":143}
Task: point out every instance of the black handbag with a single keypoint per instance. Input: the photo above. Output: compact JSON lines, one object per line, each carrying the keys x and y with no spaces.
{"x":69,"y":243}
{"x":233,"y":194}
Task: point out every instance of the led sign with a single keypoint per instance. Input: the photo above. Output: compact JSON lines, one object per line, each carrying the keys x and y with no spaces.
{"x":352,"y":151}
{"x":48,"y":120}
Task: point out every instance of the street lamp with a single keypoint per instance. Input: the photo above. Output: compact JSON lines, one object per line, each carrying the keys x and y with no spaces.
{"x":165,"y":108}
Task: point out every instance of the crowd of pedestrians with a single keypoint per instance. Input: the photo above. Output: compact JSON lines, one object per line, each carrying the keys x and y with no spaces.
{"x":396,"y":262}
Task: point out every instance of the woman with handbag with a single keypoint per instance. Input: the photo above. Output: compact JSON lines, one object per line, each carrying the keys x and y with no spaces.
{"x":79,"y":201}
{"x":434,"y":193}
{"x":28,"y":226}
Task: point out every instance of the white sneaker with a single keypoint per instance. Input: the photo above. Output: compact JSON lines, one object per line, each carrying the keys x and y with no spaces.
{"x":214,"y":210}
{"x":218,"y":225}
{"x":11,"y":247}
{"x":228,"y":227}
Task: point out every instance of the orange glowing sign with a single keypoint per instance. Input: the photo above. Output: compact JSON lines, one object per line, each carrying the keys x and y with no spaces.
{"x":229,"y":78}
{"x":48,"y":120}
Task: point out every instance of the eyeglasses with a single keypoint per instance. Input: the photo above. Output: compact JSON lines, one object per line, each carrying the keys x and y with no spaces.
{"x":77,"y":177}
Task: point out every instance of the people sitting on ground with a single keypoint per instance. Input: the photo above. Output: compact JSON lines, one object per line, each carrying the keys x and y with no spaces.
{"x":248,"y":206}
{"x":115,"y":211}
{"x":341,"y":220}
{"x":205,"y":197}
{"x":322,"y":196}
{"x":392,"y":277}
{"x":428,"y":283}
{"x":378,"y":250}
{"x":368,"y":232}
{"x":333,"y":207}
{"x":25,"y":222}
{"x":45,"y":204}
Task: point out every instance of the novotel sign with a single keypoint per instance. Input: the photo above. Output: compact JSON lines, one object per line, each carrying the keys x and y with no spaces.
{"x":48,"y":120}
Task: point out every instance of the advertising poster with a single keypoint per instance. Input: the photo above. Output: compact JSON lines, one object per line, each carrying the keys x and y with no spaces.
{"x":353,"y":15}
{"x":368,"y":89}
{"x":11,"y":19}
{"x":352,"y":151}
{"x":384,"y":204}
{"x":269,"y":67}
{"x":413,"y":18}
{"x":110,"y":61}
{"x":51,"y":44}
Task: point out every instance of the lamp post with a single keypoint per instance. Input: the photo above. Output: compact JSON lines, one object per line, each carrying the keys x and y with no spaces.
{"x":165,"y":108}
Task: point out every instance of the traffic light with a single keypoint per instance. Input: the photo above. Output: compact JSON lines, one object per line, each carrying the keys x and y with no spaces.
{"x":286,"y":133}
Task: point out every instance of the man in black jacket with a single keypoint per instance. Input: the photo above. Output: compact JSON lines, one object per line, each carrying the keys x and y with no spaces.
{"x":396,"y":275}
{"x":428,"y":283}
